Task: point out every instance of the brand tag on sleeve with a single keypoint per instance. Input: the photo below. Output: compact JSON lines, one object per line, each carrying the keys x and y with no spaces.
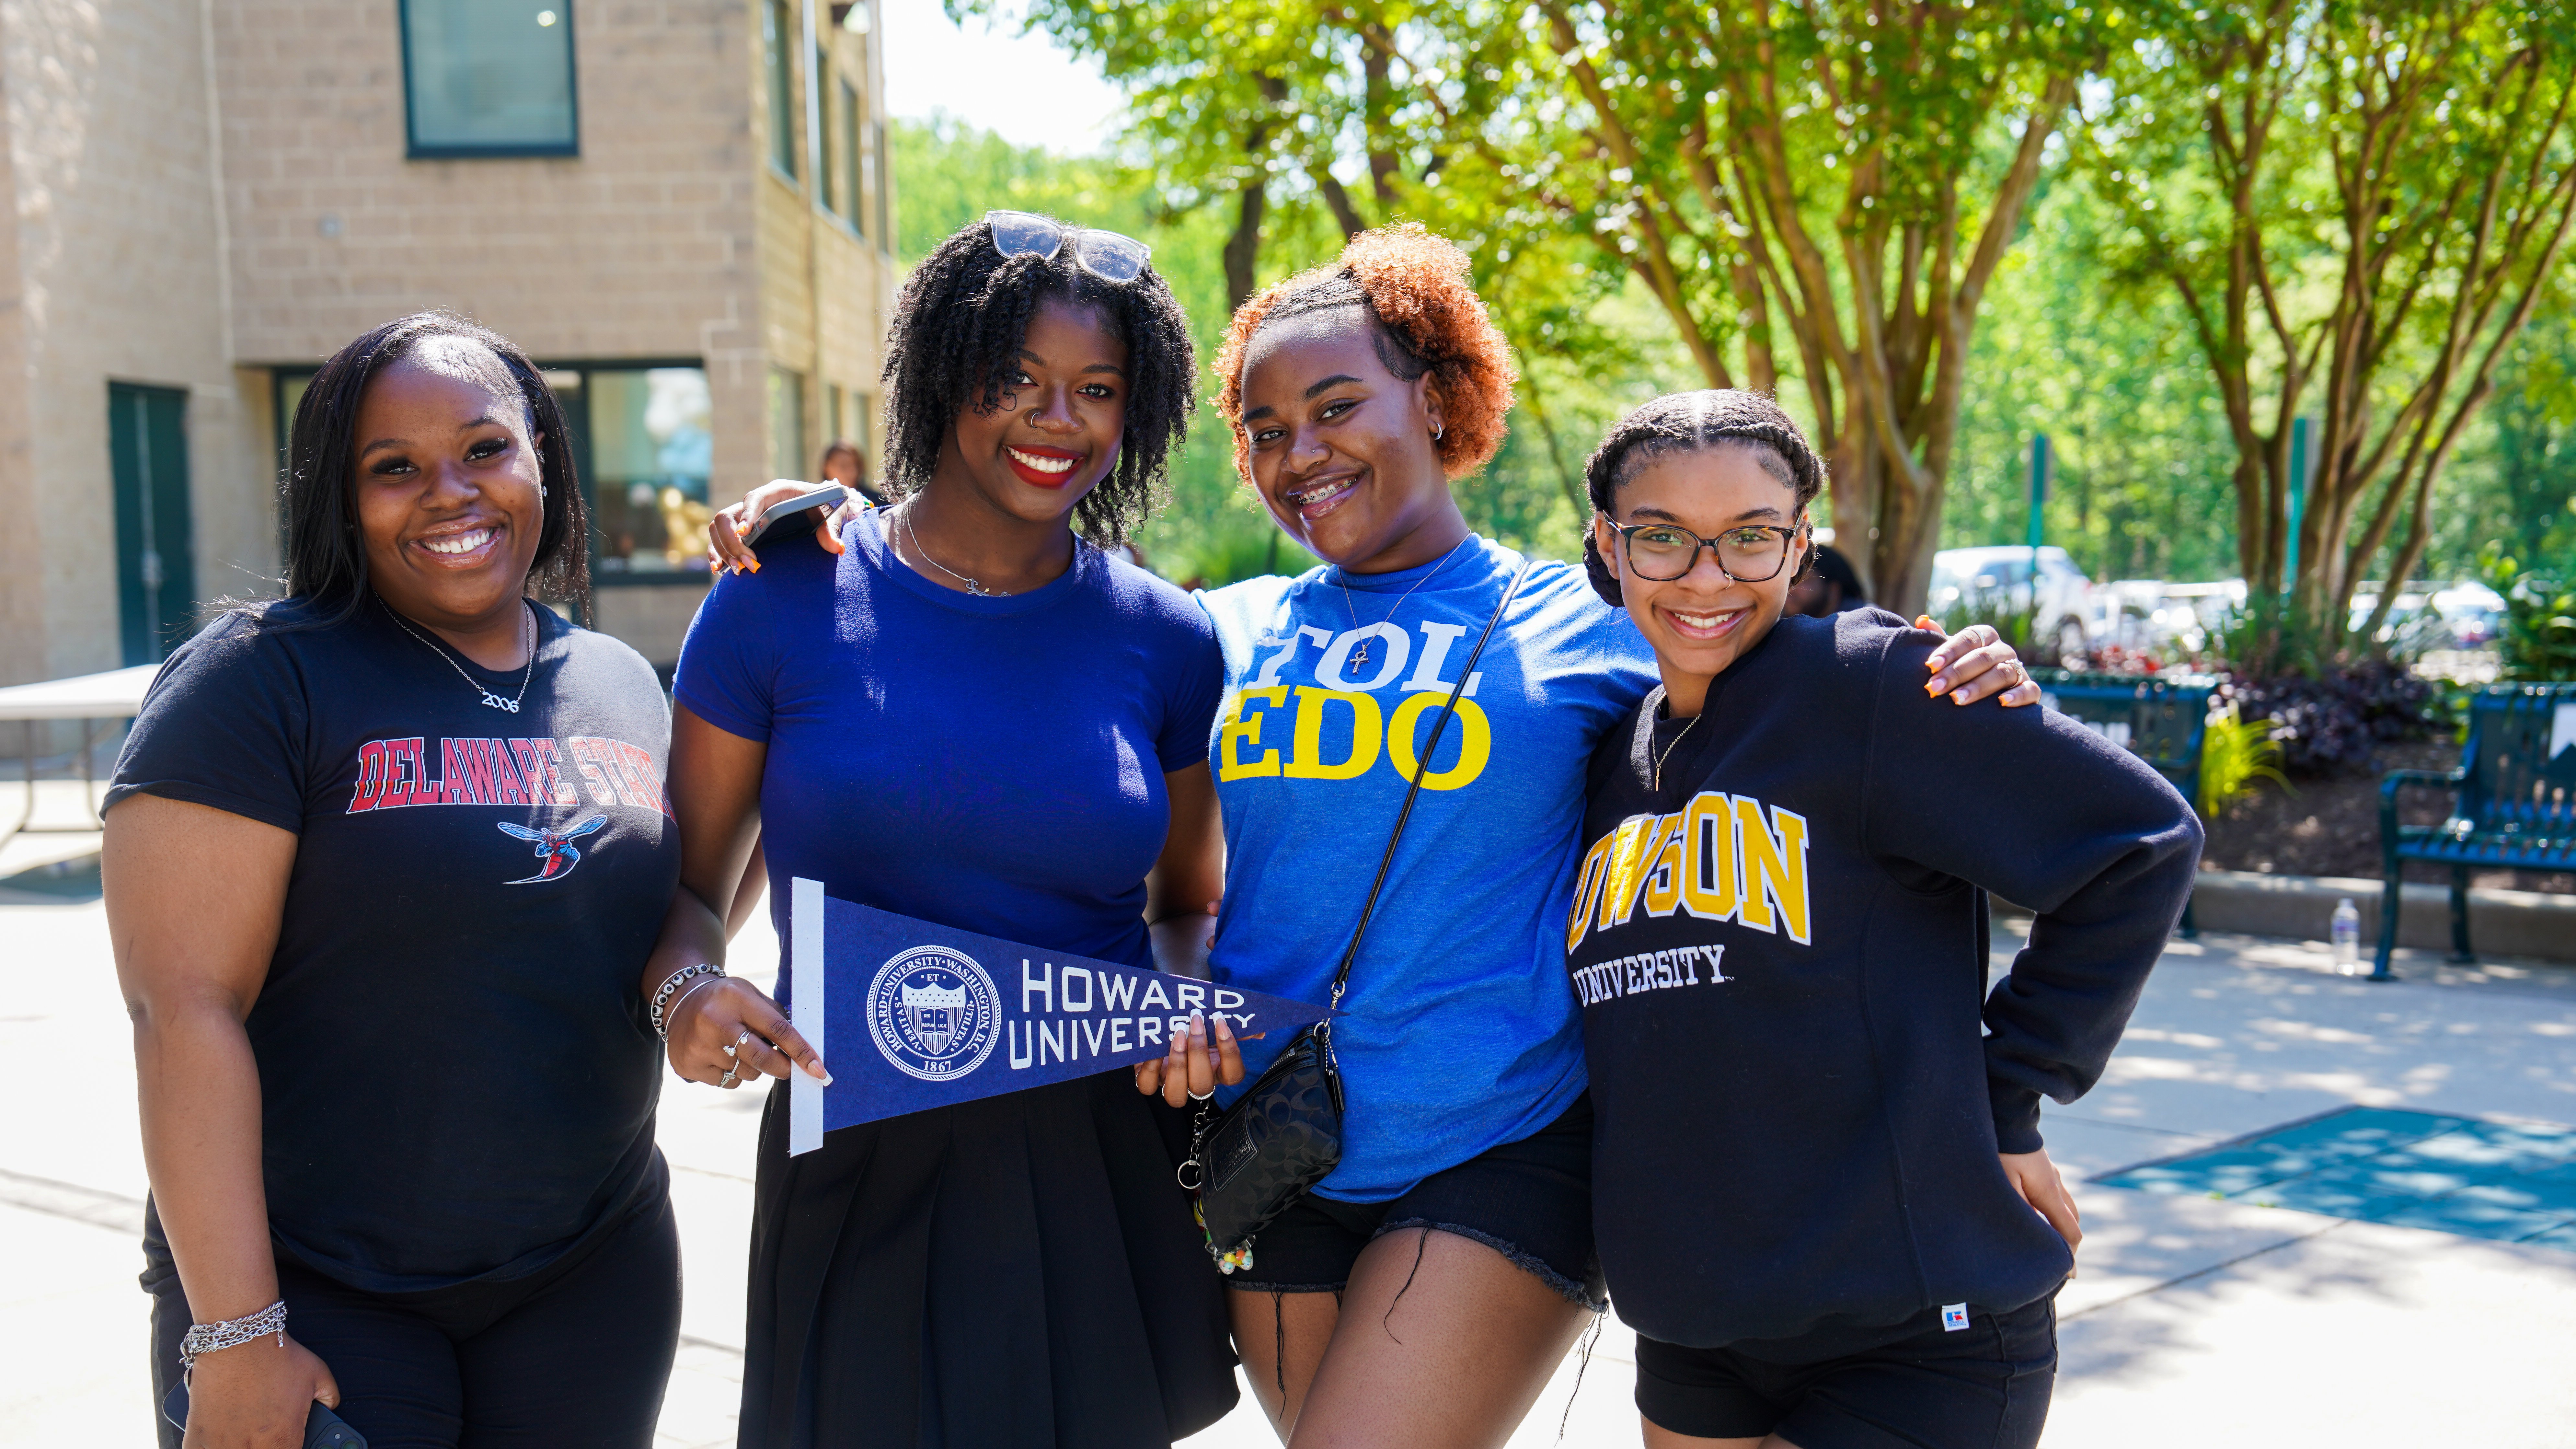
{"x":1954,"y":1317}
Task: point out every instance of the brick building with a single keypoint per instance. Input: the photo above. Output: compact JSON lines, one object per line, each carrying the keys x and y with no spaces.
{"x":681,"y":208}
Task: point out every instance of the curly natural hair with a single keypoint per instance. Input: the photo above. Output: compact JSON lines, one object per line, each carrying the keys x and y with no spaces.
{"x":958,"y":326}
{"x":1414,"y":287}
{"x":1688,"y":422}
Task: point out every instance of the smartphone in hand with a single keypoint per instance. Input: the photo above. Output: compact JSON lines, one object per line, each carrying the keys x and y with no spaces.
{"x":826,"y":497}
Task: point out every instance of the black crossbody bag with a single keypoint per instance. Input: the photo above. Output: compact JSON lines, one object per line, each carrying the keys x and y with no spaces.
{"x":1285,"y":1135}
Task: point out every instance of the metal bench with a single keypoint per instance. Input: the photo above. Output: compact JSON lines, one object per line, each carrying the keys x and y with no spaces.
{"x":2160,"y":718}
{"x":2513,"y":803}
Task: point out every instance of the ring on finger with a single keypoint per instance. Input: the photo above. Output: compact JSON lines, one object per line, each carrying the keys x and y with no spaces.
{"x":728,"y":1079}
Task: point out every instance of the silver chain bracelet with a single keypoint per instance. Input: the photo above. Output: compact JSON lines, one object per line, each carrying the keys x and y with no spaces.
{"x":205,"y":1338}
{"x":674,"y":982}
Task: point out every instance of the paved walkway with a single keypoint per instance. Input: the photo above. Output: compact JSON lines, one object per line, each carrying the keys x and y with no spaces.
{"x":2192,"y":1320}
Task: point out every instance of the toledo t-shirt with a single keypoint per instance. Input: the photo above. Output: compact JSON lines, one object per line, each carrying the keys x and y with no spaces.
{"x":457,"y":1077}
{"x":1461,"y":1032}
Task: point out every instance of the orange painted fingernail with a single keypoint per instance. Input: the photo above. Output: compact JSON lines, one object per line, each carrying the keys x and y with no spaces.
{"x":754,"y":565}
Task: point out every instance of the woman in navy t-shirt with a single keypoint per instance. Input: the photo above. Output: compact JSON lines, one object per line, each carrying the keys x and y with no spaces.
{"x":961,"y":710}
{"x":382,"y":862}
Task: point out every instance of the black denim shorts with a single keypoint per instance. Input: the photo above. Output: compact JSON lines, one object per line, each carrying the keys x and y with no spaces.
{"x":1529,"y":1200}
{"x":1983,"y":1387}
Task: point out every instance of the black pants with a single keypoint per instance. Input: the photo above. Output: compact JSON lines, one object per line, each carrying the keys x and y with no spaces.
{"x":1926,"y":1385}
{"x":572,"y":1356}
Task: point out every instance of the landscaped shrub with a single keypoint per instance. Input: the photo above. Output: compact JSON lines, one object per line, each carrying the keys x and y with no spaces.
{"x":2538,"y":642}
{"x":2234,"y":753}
{"x":2331,"y":725}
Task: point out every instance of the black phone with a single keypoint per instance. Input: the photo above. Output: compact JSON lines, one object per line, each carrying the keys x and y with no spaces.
{"x":827,"y":496}
{"x":322,"y":1428}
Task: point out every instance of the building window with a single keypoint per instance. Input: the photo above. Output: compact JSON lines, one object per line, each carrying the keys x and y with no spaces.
{"x":787,"y":424}
{"x":489,"y":78}
{"x":853,"y":208}
{"x":650,"y":450}
{"x":776,"y":28}
{"x":884,"y":186}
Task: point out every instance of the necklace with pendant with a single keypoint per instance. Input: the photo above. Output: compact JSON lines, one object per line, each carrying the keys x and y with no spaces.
{"x":490,"y":700}
{"x":972,"y":586}
{"x":1360,"y":655}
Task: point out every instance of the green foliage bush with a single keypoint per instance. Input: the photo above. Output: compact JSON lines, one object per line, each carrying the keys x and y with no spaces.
{"x":2234,"y":753}
{"x":2538,"y":641}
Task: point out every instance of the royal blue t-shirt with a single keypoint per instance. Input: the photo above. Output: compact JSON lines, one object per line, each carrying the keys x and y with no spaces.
{"x":1461,"y":1032}
{"x":993,"y":764}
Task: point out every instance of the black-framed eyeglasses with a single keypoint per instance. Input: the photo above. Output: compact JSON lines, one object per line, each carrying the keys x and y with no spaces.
{"x":1751,"y":553}
{"x":1104,"y":254}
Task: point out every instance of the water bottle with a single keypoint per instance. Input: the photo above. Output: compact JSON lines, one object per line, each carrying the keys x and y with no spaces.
{"x":2347,"y":935}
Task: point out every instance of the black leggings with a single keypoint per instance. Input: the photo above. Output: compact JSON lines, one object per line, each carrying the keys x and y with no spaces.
{"x":573,"y":1356}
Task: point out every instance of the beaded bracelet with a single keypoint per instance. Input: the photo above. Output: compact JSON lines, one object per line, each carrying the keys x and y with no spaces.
{"x":674,"y":982}
{"x":205,"y":1338}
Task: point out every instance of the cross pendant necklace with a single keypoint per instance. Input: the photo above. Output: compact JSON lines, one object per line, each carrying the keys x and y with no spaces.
{"x":1360,"y":655}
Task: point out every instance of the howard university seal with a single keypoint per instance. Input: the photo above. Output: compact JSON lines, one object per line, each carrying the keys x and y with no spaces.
{"x":934,"y":1013}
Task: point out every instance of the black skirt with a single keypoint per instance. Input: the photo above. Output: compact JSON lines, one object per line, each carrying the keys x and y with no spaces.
{"x":1015,"y":1272}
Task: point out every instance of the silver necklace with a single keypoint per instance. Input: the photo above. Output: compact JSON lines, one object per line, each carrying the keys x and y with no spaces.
{"x":972,"y":586}
{"x":1658,"y":784}
{"x":1360,"y":655}
{"x":490,"y":700}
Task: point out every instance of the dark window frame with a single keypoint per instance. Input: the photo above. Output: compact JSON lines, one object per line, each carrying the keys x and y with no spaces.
{"x":414,"y":150}
{"x":778,"y":66}
{"x":577,"y":418}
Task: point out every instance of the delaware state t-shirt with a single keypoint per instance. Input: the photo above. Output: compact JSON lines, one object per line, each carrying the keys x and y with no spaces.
{"x":1461,"y":1032}
{"x":457,"y":1077}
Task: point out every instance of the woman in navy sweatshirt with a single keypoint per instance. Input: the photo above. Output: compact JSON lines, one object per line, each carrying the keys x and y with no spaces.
{"x":1820,"y":1192}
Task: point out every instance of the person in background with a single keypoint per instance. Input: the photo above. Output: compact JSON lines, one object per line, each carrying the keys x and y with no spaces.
{"x":1819,"y":1187}
{"x":1829,"y":586}
{"x":383,"y":862}
{"x":844,"y":464}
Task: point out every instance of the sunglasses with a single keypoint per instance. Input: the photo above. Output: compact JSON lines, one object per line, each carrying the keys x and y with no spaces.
{"x":1104,"y":254}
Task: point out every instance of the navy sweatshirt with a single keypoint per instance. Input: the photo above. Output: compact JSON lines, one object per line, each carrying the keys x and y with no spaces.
{"x":1781,"y":953}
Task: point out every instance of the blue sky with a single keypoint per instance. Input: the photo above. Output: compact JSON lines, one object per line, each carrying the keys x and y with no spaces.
{"x":991,"y":76}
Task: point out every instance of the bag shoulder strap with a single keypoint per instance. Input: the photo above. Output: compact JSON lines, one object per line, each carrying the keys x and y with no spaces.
{"x":1342,"y":973}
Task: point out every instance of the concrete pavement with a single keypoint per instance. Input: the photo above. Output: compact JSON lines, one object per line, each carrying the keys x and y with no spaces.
{"x":2209,"y":1321}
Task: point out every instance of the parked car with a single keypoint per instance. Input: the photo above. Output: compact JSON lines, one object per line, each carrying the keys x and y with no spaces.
{"x":1988,"y":582}
{"x":2463,"y":616}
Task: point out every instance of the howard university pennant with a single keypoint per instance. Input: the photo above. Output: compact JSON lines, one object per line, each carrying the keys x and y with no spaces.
{"x":911,"y":1015}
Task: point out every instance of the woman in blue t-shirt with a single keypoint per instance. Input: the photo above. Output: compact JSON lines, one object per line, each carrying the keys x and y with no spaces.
{"x":962,"y":709}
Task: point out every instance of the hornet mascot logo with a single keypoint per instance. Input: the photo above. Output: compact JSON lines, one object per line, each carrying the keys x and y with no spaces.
{"x":934,"y":1013}
{"x":554,"y":846}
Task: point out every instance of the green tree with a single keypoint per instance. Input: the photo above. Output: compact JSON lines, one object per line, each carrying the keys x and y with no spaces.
{"x":2358,"y":207}
{"x":2140,"y":456}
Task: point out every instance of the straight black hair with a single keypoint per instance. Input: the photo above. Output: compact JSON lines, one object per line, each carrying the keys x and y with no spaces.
{"x":326,"y":561}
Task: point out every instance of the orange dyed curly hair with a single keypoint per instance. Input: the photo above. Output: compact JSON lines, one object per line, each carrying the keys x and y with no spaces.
{"x":1414,"y":286}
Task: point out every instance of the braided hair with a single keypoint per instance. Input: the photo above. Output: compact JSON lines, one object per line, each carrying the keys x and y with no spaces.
{"x":1690,"y":422}
{"x":959,"y":323}
{"x":1424,"y":316}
